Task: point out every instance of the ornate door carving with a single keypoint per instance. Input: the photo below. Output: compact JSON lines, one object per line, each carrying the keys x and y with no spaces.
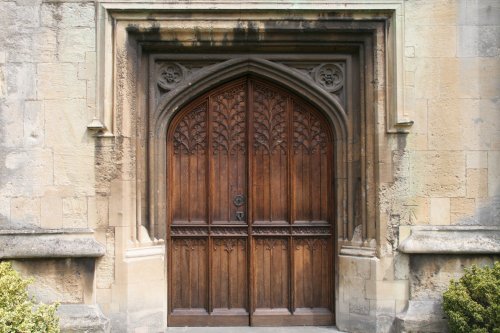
{"x":250,"y":237}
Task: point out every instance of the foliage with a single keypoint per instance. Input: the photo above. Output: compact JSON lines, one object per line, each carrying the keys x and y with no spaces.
{"x":472,"y":303}
{"x":18,"y":312}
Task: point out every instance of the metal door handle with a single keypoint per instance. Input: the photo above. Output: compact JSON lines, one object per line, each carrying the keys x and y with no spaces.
{"x":239,"y":200}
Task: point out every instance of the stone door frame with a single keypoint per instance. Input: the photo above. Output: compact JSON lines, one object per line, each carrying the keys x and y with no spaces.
{"x":131,"y":37}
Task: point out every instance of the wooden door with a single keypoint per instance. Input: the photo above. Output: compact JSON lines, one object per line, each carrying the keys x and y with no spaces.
{"x":250,"y":237}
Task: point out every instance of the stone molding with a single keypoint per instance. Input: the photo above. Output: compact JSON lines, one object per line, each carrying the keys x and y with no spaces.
{"x":140,"y":252}
{"x":357,"y":251}
{"x":452,"y":240}
{"x":109,"y":12}
{"x":56,"y":243}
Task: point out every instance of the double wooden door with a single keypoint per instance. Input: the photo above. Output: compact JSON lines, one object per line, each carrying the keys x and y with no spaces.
{"x":250,"y":237}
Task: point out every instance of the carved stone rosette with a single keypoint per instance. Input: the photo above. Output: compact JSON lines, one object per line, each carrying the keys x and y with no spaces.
{"x":329,"y":76}
{"x":169,"y":75}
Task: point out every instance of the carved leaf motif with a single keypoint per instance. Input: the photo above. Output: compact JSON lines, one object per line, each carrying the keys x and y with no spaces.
{"x":270,"y":243}
{"x":190,"y":136}
{"x":311,"y":243}
{"x":308,"y":134}
{"x":229,"y":244}
{"x":189,"y":244}
{"x":269,"y":120}
{"x":229,"y":121}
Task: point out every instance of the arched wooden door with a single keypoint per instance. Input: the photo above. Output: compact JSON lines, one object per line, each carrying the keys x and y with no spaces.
{"x":250,"y":237}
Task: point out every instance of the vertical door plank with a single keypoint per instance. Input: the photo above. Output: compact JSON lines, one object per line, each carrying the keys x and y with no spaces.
{"x":270,"y":146}
{"x":228,"y":142}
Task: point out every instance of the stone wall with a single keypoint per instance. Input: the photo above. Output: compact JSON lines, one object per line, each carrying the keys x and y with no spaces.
{"x":54,"y":174}
{"x":47,"y":96}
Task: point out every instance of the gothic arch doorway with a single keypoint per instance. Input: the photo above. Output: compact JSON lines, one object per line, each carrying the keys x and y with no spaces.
{"x":251,"y":209}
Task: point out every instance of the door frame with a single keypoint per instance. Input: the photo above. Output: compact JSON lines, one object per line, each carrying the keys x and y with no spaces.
{"x":129,"y":32}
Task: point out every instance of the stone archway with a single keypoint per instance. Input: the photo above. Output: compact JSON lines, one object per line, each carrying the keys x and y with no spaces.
{"x":144,"y":48}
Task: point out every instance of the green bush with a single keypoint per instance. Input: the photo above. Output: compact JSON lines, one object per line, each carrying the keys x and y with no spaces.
{"x":472,"y":303}
{"x":18,"y":312}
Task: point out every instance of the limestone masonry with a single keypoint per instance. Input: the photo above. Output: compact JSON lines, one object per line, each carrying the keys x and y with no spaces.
{"x":87,"y":97}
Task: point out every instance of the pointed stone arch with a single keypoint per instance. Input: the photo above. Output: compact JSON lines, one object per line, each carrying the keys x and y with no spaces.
{"x":215,"y":75}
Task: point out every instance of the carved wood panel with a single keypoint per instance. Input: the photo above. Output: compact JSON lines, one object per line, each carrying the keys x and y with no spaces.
{"x":312,"y":272}
{"x":270,"y":160}
{"x":229,"y":272}
{"x":189,"y":176}
{"x":310,"y":165}
{"x":271,"y":274}
{"x":190,"y":274}
{"x":228,"y":160}
{"x":250,"y":220}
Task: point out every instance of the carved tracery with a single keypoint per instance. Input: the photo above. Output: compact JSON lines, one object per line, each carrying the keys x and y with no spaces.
{"x":308,"y":133}
{"x":229,"y":121}
{"x":269,"y":120}
{"x":190,"y":135}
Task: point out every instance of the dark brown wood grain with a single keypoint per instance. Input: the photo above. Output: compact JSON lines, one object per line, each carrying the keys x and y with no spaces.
{"x":264,"y":258}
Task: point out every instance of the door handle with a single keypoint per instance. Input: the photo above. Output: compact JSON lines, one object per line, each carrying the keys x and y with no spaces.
{"x":239,"y":200}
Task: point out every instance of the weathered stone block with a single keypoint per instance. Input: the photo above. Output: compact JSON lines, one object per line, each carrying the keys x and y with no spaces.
{"x":462,"y":210}
{"x":401,"y":266}
{"x":51,"y":212}
{"x":75,"y":212}
{"x":82,"y":318}
{"x":477,"y":183}
{"x":68,"y":14}
{"x":477,"y":160}
{"x":33,"y":123}
{"x":87,"y":69}
{"x":45,"y":45}
{"x":25,"y":172}
{"x":438,"y":173}
{"x":440,"y":211}
{"x":478,"y":12}
{"x":432,"y":41}
{"x":62,"y":280}
{"x":74,"y":43}
{"x":422,"y":317}
{"x":12,"y":125}
{"x":58,"y":81}
{"x":426,"y":72}
{"x":3,"y":84}
{"x":359,"y":306}
{"x":25,"y":211}
{"x":431,"y":274}
{"x":478,"y":41}
{"x":493,"y":173}
{"x":75,"y":170}
{"x":488,"y":210}
{"x":21,"y":82}
{"x":452,"y":125}
{"x":387,"y":290}
{"x":490,"y":84}
{"x":429,"y":12}
{"x":65,"y":122}
{"x":105,"y":271}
